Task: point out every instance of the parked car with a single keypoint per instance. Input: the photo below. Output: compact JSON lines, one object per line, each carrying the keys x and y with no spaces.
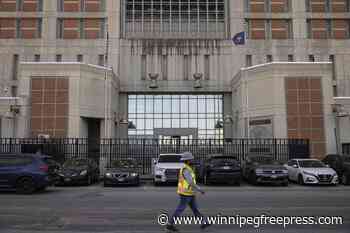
{"x":341,"y":164}
{"x":264,"y":169}
{"x":25,"y":173}
{"x":311,"y":171}
{"x":122,"y":172}
{"x":78,"y":172}
{"x":221,"y":169}
{"x":166,"y":168}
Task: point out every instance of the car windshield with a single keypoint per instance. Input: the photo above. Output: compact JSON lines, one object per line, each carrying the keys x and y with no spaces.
{"x":223,"y":160}
{"x":311,"y":163}
{"x":169,"y":159}
{"x":126,"y":163}
{"x":263,"y":160}
{"x":75,"y":163}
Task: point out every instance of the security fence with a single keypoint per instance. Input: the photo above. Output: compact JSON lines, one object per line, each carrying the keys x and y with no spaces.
{"x":144,"y":151}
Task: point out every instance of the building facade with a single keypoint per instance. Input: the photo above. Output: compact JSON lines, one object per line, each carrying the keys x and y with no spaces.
{"x":169,"y":69}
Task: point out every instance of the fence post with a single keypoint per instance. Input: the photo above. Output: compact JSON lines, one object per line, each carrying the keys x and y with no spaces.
{"x":275,"y":148}
{"x":143,"y":155}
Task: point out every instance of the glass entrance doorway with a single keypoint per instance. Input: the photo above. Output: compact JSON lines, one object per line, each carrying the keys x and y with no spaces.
{"x":175,"y":116}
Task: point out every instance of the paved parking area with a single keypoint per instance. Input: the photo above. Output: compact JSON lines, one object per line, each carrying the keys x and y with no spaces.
{"x":135,"y":209}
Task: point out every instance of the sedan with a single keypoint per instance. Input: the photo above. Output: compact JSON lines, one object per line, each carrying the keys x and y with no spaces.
{"x":122,"y":172}
{"x":222,"y":169}
{"x":311,"y":171}
{"x":341,"y":164}
{"x":78,"y":172}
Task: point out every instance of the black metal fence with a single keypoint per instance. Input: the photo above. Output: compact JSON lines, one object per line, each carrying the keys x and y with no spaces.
{"x":346,"y":148}
{"x":105,"y":151}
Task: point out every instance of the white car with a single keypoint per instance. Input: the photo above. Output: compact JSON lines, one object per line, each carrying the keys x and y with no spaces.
{"x":311,"y":171}
{"x":167,"y":167}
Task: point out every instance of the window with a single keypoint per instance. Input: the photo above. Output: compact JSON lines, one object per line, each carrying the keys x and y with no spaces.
{"x":202,"y":112}
{"x":290,"y":58}
{"x":267,"y":6}
{"x":21,"y":5}
{"x":14,"y":66}
{"x":143,"y":67}
{"x":206,"y":67}
{"x":154,"y":18}
{"x":164,"y":67}
{"x":37,"y":57}
{"x":58,"y":57}
{"x":311,"y":58}
{"x":269,"y":58}
{"x":327,"y":5}
{"x":248,"y":60}
{"x":75,"y":28}
{"x":101,"y":60}
{"x":80,"y":58}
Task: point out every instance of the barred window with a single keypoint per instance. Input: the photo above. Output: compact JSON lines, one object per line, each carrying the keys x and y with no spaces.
{"x":175,"y":18}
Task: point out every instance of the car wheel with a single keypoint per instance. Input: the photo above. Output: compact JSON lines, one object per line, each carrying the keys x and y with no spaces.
{"x":25,"y":186}
{"x":344,"y":179}
{"x":301,"y":180}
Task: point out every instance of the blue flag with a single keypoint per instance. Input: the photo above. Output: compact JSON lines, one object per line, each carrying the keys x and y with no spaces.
{"x":239,"y":38}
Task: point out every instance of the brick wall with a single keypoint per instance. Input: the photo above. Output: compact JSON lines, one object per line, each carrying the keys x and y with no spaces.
{"x":30,"y":5}
{"x":7,"y":28}
{"x":340,"y":29}
{"x":71,"y":29}
{"x":92,"y":28}
{"x":339,"y":5}
{"x":257,"y":5}
{"x":305,"y":112}
{"x":318,"y":5}
{"x":279,"y":29}
{"x":93,"y":5}
{"x":29,"y":28}
{"x":49,"y":106}
{"x":7,"y":5}
{"x":319,"y":29}
{"x":279,"y":5}
{"x":257,"y":29}
{"x":71,"y":5}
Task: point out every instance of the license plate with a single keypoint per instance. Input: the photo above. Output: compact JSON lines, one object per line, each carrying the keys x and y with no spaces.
{"x":273,"y":177}
{"x":67,"y":179}
{"x":121,"y":179}
{"x":226,"y":167}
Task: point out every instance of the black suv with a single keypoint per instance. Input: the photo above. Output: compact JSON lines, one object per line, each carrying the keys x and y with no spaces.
{"x":221,"y":169}
{"x":264,"y":169}
{"x":341,"y":164}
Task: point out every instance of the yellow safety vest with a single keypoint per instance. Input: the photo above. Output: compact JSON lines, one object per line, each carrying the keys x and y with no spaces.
{"x":183,"y":187}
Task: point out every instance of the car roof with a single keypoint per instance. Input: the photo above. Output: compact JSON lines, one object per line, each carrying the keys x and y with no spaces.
{"x":221,"y":155}
{"x":170,"y":154}
{"x":254,"y":156}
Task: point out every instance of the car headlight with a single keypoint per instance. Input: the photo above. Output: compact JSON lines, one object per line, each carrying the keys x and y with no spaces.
{"x":309,"y":174}
{"x":108,"y":174}
{"x":133,"y":174}
{"x":258,"y":171}
{"x":83,"y":173}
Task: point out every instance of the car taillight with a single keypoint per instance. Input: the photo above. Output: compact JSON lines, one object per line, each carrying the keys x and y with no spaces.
{"x":44,"y":168}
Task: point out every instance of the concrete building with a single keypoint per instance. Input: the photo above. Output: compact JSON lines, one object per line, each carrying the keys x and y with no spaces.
{"x":169,"y":69}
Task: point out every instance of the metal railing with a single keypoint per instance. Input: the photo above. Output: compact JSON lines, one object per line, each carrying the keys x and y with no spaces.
{"x":105,"y":151}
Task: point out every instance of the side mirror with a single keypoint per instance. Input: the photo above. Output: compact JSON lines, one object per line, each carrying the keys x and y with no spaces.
{"x":295,"y":166}
{"x":155,"y":161}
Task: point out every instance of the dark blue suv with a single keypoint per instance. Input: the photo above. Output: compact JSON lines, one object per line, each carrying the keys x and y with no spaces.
{"x":24,"y":173}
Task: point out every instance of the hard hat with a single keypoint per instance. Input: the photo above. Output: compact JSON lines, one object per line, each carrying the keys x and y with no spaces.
{"x":187,"y":156}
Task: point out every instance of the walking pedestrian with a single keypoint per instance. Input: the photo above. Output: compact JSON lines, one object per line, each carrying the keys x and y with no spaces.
{"x":187,"y":188}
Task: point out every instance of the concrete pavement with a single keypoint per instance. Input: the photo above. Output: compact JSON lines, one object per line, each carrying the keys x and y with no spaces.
{"x":135,"y":209}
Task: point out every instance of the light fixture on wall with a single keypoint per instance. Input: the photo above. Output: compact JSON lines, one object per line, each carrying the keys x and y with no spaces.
{"x":153,"y":77}
{"x":227,"y":120}
{"x":340,"y":111}
{"x":197,"y":80}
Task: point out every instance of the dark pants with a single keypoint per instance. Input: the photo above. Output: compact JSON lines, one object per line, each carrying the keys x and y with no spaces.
{"x":184,"y":201}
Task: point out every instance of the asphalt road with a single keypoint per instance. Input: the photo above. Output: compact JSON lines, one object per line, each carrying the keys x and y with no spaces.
{"x":135,"y":209}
